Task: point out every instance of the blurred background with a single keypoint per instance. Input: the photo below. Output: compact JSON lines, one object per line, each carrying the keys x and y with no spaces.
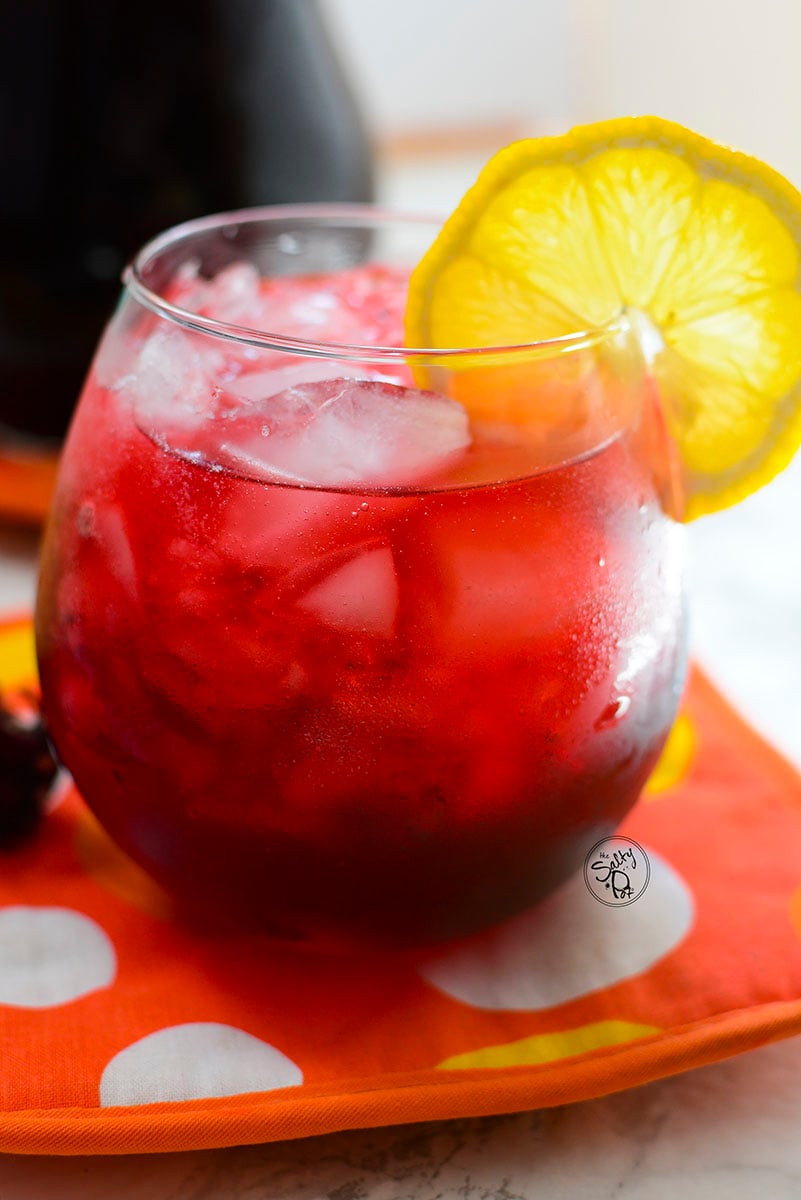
{"x":443,"y":82}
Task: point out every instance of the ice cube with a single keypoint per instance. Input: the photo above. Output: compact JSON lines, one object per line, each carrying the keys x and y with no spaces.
{"x":117,"y":352}
{"x":288,"y":531}
{"x":345,"y":433}
{"x":172,"y":385}
{"x":189,"y":394}
{"x":360,"y":596}
{"x":277,"y":526}
{"x":497,"y":594}
{"x":258,"y":385}
{"x":109,"y":530}
{"x":507,"y":570}
{"x":231,"y":296}
{"x":332,"y":309}
{"x":362,"y":306}
{"x":300,"y":308}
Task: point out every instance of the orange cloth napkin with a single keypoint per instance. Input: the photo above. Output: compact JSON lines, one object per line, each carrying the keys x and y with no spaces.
{"x":27,"y":479}
{"x":122,"y":1030}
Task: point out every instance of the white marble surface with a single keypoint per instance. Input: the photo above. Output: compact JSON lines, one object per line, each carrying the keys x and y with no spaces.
{"x":745,"y":606}
{"x":730,"y":1131}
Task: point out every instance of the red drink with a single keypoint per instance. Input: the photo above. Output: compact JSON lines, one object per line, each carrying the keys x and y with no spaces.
{"x":383,"y":710}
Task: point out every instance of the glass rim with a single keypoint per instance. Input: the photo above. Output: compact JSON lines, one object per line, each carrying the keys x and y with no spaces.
{"x":361,"y":214}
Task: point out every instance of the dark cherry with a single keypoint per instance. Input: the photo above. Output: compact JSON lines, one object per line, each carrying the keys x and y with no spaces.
{"x":27,"y":769}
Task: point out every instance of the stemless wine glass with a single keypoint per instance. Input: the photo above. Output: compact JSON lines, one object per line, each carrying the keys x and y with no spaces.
{"x":358,"y":643}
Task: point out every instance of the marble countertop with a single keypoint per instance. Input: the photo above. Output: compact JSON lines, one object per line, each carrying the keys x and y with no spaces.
{"x":730,"y":1130}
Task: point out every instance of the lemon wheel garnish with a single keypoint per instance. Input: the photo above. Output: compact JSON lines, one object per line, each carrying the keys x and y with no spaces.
{"x":563,"y":234}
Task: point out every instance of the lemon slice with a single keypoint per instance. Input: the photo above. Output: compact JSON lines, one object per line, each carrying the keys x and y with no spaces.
{"x":565,"y":234}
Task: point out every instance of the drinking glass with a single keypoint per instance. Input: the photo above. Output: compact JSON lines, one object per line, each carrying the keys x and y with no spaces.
{"x":354,"y":642}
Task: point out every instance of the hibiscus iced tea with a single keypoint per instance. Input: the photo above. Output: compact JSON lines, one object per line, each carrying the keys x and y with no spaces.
{"x":324,"y":650}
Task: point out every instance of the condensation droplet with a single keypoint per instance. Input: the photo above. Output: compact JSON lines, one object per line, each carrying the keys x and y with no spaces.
{"x":288,"y":243}
{"x":614,"y":712}
{"x":85,"y":519}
